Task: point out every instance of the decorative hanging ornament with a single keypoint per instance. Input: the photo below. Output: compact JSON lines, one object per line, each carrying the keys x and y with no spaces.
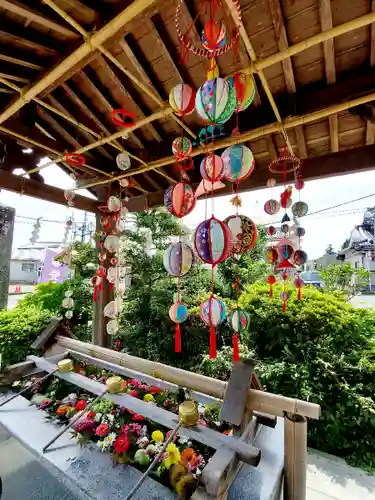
{"x":271,"y":182}
{"x":238,"y":162}
{"x":212,"y":168}
{"x":111,"y":310}
{"x":178,"y":259}
{"x":123,"y":118}
{"x":75,"y":159}
{"x":300,"y":208}
{"x":182,"y":99}
{"x":213,"y":313}
{"x":182,"y":147}
{"x":239,"y":321}
{"x":271,"y":255}
{"x":112,"y":275}
{"x":179,"y":199}
{"x":178,"y":314}
{"x":271,"y":230}
{"x":284,"y":297}
{"x":69,"y":194}
{"x":215,"y":101}
{"x":244,"y":232}
{"x":213,"y":241}
{"x":123,"y":161}
{"x":284,"y":228}
{"x":112,"y":243}
{"x":271,"y":280}
{"x":300,"y":184}
{"x":214,"y":35}
{"x":114,"y":204}
{"x":271,"y":207}
{"x":299,"y":284}
{"x":286,"y":252}
{"x":112,"y":327}
{"x":300,"y":257}
{"x":300,"y":231}
{"x":244,"y":88}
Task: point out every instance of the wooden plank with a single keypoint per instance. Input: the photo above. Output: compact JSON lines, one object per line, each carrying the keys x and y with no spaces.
{"x":153,"y":183}
{"x":233,"y":408}
{"x":301,"y":143}
{"x":28,"y":187}
{"x":271,"y":147}
{"x":372,"y":50}
{"x":282,"y":42}
{"x":370,"y":133}
{"x":334,"y":133}
{"x":201,"y":433}
{"x":14,"y":78}
{"x":328,"y":45}
{"x":20,"y":62}
{"x":33,"y":16}
{"x":22,"y":43}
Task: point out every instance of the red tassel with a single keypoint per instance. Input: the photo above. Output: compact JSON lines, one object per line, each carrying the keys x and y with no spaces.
{"x":299,"y":293}
{"x":284,"y":306}
{"x":236,"y":349}
{"x":177,"y":340}
{"x":271,"y":291}
{"x":212,"y":342}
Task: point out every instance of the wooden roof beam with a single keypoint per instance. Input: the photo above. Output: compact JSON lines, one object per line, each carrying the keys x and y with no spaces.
{"x":20,"y":62}
{"x":32,"y":16}
{"x":10,"y":34}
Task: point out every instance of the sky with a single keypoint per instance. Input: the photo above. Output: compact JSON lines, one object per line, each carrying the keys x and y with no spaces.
{"x":330,"y":227}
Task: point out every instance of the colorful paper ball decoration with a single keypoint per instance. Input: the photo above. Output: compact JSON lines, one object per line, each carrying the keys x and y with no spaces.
{"x":180,"y":199}
{"x":112,"y":327}
{"x":271,"y":255}
{"x":213,"y":241}
{"x":214,"y":35}
{"x":271,"y":207}
{"x":300,"y":184}
{"x":300,"y":257}
{"x":114,"y":204}
{"x":244,"y":232}
{"x":239,"y":320}
{"x":212,"y":168}
{"x":178,"y":312}
{"x":112,"y":243}
{"x":215,"y":101}
{"x":182,"y":147}
{"x":286,"y":202}
{"x":178,"y":259}
{"x":271,"y":182}
{"x":271,"y":280}
{"x":271,"y":230}
{"x":245,"y":89}
{"x":300,"y":208}
{"x":300,"y":231}
{"x":284,"y":296}
{"x":285,"y":251}
{"x":238,"y":162}
{"x":123,"y":161}
{"x":213,"y":311}
{"x":182,"y":99}
{"x":285,"y":228}
{"x":69,"y":194}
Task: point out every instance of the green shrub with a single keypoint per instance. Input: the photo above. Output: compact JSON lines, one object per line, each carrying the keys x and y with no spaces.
{"x":18,"y":329}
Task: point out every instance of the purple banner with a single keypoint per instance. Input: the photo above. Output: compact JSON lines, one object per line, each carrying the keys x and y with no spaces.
{"x":52,"y":270}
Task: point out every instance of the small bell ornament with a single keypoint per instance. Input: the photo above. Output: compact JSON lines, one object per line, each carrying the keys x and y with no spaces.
{"x":178,"y":314}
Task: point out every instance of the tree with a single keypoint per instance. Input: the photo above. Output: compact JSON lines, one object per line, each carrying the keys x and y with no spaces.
{"x":344,"y":278}
{"x":329,"y":250}
{"x":345,"y":244}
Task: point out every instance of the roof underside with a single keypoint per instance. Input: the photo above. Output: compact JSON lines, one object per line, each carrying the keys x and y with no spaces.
{"x":138,"y":63}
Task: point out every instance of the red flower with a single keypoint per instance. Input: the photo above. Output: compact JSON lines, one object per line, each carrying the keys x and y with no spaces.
{"x":166,"y":402}
{"x":80,"y":405}
{"x":121,"y":444}
{"x":102,"y":430}
{"x":155,"y":390}
{"x":137,"y":416}
{"x":90,"y":415}
{"x":123,"y":410}
{"x":114,"y":412}
{"x":133,"y":393}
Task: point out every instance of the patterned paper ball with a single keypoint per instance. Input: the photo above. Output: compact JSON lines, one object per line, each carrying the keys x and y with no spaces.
{"x":213,"y":241}
{"x":182,"y":147}
{"x":123,"y":161}
{"x":285,"y":228}
{"x":182,"y":99}
{"x":214,"y":35}
{"x":212,"y":168}
{"x":68,"y":303}
{"x":285,"y":251}
{"x":300,"y":257}
{"x":180,"y":199}
{"x":215,"y":101}
{"x":178,"y":259}
{"x":271,"y":207}
{"x":245,"y":89}
{"x":112,"y":275}
{"x":286,"y":202}
{"x":300,"y":231}
{"x":112,"y":327}
{"x":69,"y":314}
{"x":300,"y":208}
{"x":271,"y":230}
{"x":239,"y":320}
{"x":271,"y":280}
{"x":271,"y":255}
{"x":178,"y":312}
{"x":111,"y":310}
{"x":114,"y":204}
{"x":271,"y":182}
{"x":284,"y":295}
{"x":299,"y":283}
{"x":69,"y":194}
{"x":244,"y":232}
{"x":238,"y":162}
{"x":112,"y":243}
{"x":213,"y":311}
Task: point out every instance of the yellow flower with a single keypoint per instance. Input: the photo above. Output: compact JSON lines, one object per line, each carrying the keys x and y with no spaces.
{"x":173,"y":456}
{"x":148,"y":398}
{"x":157,"y":436}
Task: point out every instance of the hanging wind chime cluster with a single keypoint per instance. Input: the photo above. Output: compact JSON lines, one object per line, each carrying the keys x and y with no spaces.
{"x":284,"y":251}
{"x":216,"y":101}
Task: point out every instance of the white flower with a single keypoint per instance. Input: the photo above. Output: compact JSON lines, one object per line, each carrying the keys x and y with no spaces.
{"x":17,"y":383}
{"x":101,"y":445}
{"x":142,"y":442}
{"x":111,"y":418}
{"x":198,"y":472}
{"x":98,"y":417}
{"x":143,"y":432}
{"x":151,"y":448}
{"x":183,"y":440}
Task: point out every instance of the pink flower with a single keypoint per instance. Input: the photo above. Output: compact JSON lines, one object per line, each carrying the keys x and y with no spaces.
{"x":202,"y":422}
{"x":134,"y":382}
{"x":168,"y":434}
{"x":102,"y":430}
{"x":125,"y":429}
{"x":90,"y":415}
{"x":121,"y":444}
{"x":114,"y":412}
{"x":137,"y":416}
{"x":136,"y":428}
{"x":45,"y":404}
{"x":80,"y":405}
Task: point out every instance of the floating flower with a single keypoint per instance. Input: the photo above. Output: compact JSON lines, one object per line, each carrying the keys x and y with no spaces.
{"x":70,"y":413}
{"x":173,"y":456}
{"x":157,"y":436}
{"x":80,"y":405}
{"x":189,"y":457}
{"x":134,"y":382}
{"x":90,"y":415}
{"x":61,"y":410}
{"x":155,"y":390}
{"x":137,"y":416}
{"x":142,"y":457}
{"x":84,"y":425}
{"x":102,"y":430}
{"x":152,"y":449}
{"x":45,"y":403}
{"x":143,"y":442}
{"x":121,"y":444}
{"x":133,"y":393}
{"x":168,"y":434}
{"x":149,"y":398}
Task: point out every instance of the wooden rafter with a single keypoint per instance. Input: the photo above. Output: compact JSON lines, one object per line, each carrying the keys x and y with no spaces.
{"x":153,"y":183}
{"x":334,"y":133}
{"x":14,"y":78}
{"x":372,"y":50}
{"x":23,"y":43}
{"x":33,"y":16}
{"x":272,"y":151}
{"x":19,"y":62}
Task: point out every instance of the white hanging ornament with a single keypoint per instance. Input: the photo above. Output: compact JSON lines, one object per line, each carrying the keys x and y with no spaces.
{"x":112,"y":275}
{"x":112,"y":243}
{"x":69,"y":314}
{"x":124,"y":182}
{"x":114,"y":204}
{"x":112,"y":327}
{"x":111,"y":310}
{"x":123,"y":161}
{"x":69,"y":293}
{"x":69,"y":194}
{"x":68,"y":303}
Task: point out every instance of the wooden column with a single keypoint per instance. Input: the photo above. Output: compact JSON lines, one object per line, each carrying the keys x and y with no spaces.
{"x":295,"y":457}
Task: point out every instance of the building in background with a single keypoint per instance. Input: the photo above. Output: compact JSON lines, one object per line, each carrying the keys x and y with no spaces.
{"x":27,"y":261}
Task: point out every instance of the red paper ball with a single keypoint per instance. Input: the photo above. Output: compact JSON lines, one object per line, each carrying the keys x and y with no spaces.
{"x":271,"y":255}
{"x":271,"y":280}
{"x":213,"y":241}
{"x":271,"y":230}
{"x":300,"y":184}
{"x":244,"y":232}
{"x":180,"y":199}
{"x":212,"y":168}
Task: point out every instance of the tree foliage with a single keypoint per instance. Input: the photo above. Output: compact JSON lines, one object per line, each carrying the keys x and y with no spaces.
{"x":344,"y":278}
{"x":329,"y":250}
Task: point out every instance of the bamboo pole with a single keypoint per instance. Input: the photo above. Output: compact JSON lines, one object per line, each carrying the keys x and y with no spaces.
{"x":257,"y":400}
{"x":272,"y":128}
{"x":295,"y":457}
{"x":91,"y":44}
{"x":113,"y":59}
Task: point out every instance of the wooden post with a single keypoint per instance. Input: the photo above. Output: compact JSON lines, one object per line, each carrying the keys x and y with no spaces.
{"x":7,"y":215}
{"x":295,"y":457}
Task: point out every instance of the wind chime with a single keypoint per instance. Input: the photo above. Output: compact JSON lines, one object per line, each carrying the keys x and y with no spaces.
{"x":286,"y":256}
